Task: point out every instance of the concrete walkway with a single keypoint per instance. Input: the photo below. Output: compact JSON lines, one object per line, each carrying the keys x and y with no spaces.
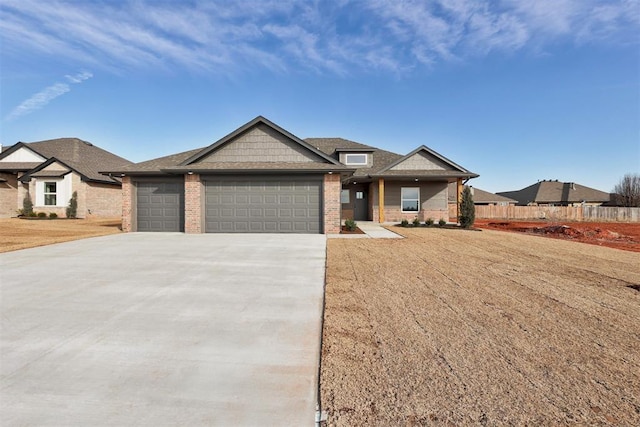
{"x":372,"y":230}
{"x":162,"y":329}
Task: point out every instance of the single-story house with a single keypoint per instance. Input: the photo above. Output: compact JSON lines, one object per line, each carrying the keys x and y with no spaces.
{"x":481,"y":197}
{"x":51,"y":171}
{"x":262,"y":178}
{"x":554,"y":193}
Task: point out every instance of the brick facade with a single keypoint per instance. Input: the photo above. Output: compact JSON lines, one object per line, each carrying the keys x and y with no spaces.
{"x":127,"y":204}
{"x":94,"y":199}
{"x":9,"y":200}
{"x":193,"y":204}
{"x":332,"y":186}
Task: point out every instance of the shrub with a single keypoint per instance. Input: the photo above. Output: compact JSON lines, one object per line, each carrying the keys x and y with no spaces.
{"x":416,"y":222}
{"x":42,"y":214}
{"x":32,"y":214}
{"x":442,"y":222}
{"x":404,"y":223}
{"x":53,"y":215}
{"x":27,"y":205}
{"x":467,"y":209}
{"x":429,"y":222}
{"x":72,"y":209}
{"x":350,"y":224}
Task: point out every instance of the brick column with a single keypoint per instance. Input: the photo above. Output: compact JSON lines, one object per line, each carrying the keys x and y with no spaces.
{"x":332,"y":187}
{"x":127,"y":201}
{"x":192,"y":204}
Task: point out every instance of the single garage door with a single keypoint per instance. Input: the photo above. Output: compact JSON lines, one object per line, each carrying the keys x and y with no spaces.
{"x":160,"y":205}
{"x":263,"y":204}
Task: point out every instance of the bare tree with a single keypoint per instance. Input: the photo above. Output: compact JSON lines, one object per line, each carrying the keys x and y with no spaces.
{"x":628,"y":190}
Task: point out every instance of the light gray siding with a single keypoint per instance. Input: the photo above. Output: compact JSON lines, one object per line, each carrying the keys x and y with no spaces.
{"x":261,"y":144}
{"x":433,"y":195}
{"x":422,"y":161}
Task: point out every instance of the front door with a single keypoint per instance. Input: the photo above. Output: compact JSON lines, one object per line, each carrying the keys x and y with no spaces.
{"x":361,"y":205}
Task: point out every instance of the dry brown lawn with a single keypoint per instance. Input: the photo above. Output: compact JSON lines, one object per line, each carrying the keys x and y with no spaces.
{"x":456,"y":327}
{"x":18,"y":233}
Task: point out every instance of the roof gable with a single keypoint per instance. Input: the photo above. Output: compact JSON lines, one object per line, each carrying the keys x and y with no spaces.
{"x":421,"y":161}
{"x":424,"y":158}
{"x":75,"y":154}
{"x":259,"y":141}
{"x":21,"y":153}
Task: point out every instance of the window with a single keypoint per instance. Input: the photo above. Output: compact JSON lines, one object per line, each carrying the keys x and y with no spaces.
{"x":359,"y":195}
{"x":410,"y":199}
{"x":50,"y":193}
{"x":344,"y":196}
{"x":355,"y":159}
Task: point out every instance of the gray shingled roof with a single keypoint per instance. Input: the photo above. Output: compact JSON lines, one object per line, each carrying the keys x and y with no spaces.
{"x":157,"y":165}
{"x":381,"y":158}
{"x":327,"y":147}
{"x":18,"y":166}
{"x":81,"y":156}
{"x":544,"y":192}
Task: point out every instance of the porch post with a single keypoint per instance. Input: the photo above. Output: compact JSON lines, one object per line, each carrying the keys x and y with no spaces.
{"x":381,"y":200}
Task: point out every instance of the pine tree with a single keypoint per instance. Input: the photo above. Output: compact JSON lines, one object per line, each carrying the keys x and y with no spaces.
{"x":72,"y":209}
{"x":467,"y":209}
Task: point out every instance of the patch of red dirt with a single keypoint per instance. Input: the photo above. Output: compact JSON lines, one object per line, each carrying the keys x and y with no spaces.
{"x":625,"y":236}
{"x":345,"y":230}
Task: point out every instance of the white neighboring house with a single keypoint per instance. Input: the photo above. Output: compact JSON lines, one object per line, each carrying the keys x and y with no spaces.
{"x":50,"y":171}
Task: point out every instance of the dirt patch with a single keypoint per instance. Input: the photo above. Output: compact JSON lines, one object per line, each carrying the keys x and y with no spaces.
{"x":453,"y":327}
{"x":18,"y":233}
{"x":624,"y":236}
{"x":345,"y":230}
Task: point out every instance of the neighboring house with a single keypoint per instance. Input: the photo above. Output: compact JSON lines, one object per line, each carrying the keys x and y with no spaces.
{"x":481,"y":197}
{"x":554,"y":193}
{"x":50,"y":171}
{"x":261,"y":178}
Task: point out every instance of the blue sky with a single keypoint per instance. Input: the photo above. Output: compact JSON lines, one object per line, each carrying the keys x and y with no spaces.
{"x":516,"y":91}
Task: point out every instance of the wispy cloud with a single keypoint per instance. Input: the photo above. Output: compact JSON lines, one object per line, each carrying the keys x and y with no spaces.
{"x":332,"y":36}
{"x":45,"y":96}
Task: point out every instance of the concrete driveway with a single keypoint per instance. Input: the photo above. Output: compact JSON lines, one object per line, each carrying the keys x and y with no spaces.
{"x":162,"y":329}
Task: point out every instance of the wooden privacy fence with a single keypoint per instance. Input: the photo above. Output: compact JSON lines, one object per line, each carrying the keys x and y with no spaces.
{"x":556,"y":213}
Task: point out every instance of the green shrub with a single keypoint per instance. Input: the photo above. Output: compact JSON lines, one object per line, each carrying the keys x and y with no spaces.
{"x":350,"y":224}
{"x":442,"y":222}
{"x":404,"y":223}
{"x":27,"y":205}
{"x":42,"y":214}
{"x":32,"y":214}
{"x":72,"y":209}
{"x":53,"y":215}
{"x":467,"y":209}
{"x":416,"y":222}
{"x":429,"y":222}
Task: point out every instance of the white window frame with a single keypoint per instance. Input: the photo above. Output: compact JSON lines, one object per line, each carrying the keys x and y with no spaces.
{"x":356,"y":163}
{"x":54,"y":193}
{"x":63,"y":190}
{"x":403,"y":199}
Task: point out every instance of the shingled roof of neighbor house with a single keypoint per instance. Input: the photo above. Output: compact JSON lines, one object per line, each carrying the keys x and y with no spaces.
{"x":480,"y":196}
{"x":80,"y":156}
{"x":548,"y":191}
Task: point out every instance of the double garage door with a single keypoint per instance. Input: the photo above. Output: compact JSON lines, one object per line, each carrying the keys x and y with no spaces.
{"x":237,"y":204}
